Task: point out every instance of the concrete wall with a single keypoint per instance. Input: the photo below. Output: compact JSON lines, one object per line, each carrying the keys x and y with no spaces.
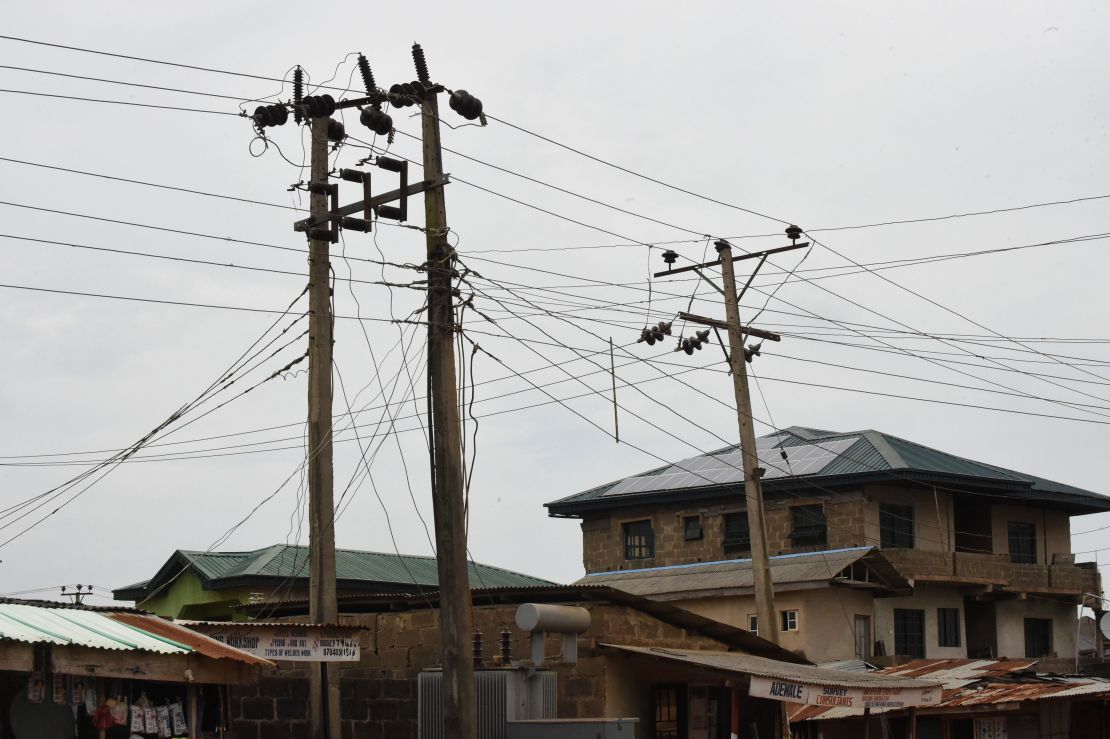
{"x":826,"y":618}
{"x":603,"y":541}
{"x":378,"y":694}
{"x":1011,"y":615}
{"x":1055,"y":524}
{"x":928,"y":599}
{"x":932,"y":515}
{"x":853,"y":520}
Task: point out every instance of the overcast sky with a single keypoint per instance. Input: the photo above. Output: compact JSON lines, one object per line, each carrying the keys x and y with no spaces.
{"x":822,"y":114}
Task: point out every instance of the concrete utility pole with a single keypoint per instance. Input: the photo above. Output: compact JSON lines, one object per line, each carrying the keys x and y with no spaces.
{"x":737,"y":361}
{"x":456,"y":625}
{"x":323,"y":606}
{"x":753,"y":490}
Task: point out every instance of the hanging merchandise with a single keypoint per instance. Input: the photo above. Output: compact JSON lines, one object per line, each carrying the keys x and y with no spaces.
{"x":179,"y":725}
{"x":102,"y":718}
{"x":138,"y":725}
{"x":36,"y":688}
{"x":118,"y":707}
{"x":59,"y":689}
{"x":150,"y":718}
{"x":164,"y":722}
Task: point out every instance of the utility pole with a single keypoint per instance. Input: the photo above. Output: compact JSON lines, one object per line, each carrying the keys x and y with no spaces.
{"x":323,"y":605}
{"x":738,"y":357}
{"x":753,"y":490}
{"x":456,"y":625}
{"x":322,"y":226}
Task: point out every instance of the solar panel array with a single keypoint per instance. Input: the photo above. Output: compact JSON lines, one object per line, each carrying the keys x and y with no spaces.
{"x":727,"y":467}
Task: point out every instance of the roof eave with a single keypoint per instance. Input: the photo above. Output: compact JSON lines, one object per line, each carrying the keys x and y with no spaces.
{"x":574,"y":508}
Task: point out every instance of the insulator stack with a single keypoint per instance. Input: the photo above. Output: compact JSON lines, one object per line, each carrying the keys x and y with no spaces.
{"x":317,"y":106}
{"x":690,"y":343}
{"x":336,"y":132}
{"x":376,"y":120}
{"x":477,"y":648}
{"x":793,"y":232}
{"x":404,"y":94}
{"x":367,"y":75}
{"x":655,"y":333}
{"x":270,"y":115}
{"x":506,"y":646}
{"x":670,"y":256}
{"x":465,"y":104}
{"x":421,"y":64}
{"x":298,"y":92}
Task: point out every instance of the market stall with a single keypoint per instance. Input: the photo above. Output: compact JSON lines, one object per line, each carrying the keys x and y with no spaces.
{"x":82,"y":671}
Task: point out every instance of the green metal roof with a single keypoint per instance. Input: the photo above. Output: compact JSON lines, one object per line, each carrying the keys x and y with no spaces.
{"x":280,"y":562}
{"x":872,"y":457}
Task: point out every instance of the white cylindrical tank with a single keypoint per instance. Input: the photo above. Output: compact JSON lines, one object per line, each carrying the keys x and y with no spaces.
{"x":552,"y":619}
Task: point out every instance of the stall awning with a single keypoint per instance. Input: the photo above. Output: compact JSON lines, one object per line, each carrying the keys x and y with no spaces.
{"x":801,"y":684}
{"x":115,"y":643}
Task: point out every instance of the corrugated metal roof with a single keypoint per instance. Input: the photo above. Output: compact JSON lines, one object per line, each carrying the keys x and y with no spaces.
{"x":730,"y":574}
{"x":874,"y":455}
{"x":730,"y":636}
{"x":192,"y":640}
{"x":747,"y":664}
{"x":281,"y":562}
{"x":35,"y":624}
{"x":969,"y":682}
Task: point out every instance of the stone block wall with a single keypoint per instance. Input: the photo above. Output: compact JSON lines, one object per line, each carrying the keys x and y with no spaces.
{"x":378,"y":694}
{"x":603,"y":536}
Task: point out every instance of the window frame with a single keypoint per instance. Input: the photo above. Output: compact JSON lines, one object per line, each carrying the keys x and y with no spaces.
{"x":687,"y":534}
{"x":786,"y":616}
{"x":892,"y":523}
{"x":1022,"y":556}
{"x":901,"y":642}
{"x":741,"y":544}
{"x":1045,"y":622}
{"x":949,"y":627}
{"x":811,"y":534}
{"x":648,"y":545}
{"x":753,"y":623}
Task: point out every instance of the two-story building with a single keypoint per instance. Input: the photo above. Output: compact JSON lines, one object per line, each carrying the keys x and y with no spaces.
{"x":879,"y":546}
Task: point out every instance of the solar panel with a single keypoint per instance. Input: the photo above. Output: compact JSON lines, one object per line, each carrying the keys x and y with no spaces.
{"x":727,"y":467}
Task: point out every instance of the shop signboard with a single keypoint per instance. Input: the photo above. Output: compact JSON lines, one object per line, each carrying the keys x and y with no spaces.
{"x":791,"y":691}
{"x":288,"y":643}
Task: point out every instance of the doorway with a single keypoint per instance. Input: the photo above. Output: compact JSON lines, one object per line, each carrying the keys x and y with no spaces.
{"x":862,"y":633}
{"x":972,"y":519}
{"x":980,"y":619}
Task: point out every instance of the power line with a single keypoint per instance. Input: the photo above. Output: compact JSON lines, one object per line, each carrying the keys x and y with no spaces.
{"x":118,"y":102}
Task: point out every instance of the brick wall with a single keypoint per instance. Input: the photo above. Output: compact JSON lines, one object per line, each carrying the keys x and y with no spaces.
{"x":603,"y":540}
{"x":378,"y":695}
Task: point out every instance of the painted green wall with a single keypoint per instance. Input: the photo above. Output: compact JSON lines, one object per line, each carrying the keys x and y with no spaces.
{"x":186,"y":597}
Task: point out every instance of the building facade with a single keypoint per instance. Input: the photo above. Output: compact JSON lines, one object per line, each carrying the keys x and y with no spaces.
{"x":962,"y":558}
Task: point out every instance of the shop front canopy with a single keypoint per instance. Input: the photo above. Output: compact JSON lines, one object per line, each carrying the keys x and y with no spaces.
{"x":122,"y":643}
{"x":799,"y":684}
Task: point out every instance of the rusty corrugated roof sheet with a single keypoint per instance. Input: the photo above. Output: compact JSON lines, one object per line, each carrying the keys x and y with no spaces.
{"x":193,"y":640}
{"x":970,"y":682}
{"x":748,"y":664}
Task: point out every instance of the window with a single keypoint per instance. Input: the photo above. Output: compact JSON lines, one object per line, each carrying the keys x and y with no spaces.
{"x":639,"y":540}
{"x":789,"y":620}
{"x":753,"y":623}
{"x":1023,"y":543}
{"x":666,"y":712}
{"x":895,"y":526}
{"x":948,"y":627}
{"x":738,"y":536}
{"x":909,"y":632}
{"x":1038,"y":637}
{"x":808,"y":526}
{"x":691,"y":527}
